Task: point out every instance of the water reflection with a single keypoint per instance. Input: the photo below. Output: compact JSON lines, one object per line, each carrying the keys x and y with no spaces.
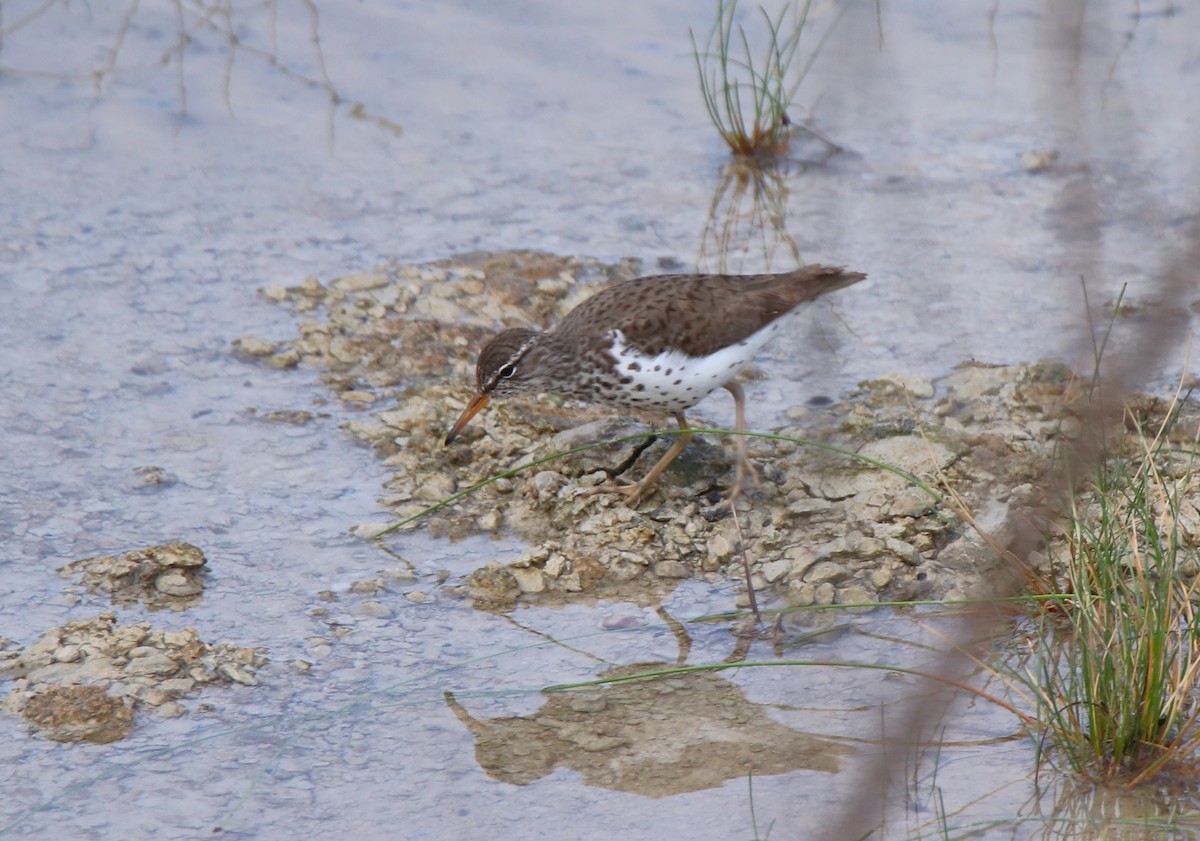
{"x":656,"y":737}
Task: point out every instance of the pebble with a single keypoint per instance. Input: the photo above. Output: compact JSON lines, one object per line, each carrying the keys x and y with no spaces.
{"x":772,"y":571}
{"x":719,"y":547}
{"x":825,"y":571}
{"x":529,"y":579}
{"x":149,"y":661}
{"x":856,"y":594}
{"x":1035,"y":161}
{"x":361,"y":282}
{"x":373,"y":609}
{"x":671,"y":569}
{"x":176,"y":583}
{"x":251,"y":346}
{"x":67,"y":654}
{"x":555,"y":565}
{"x":369,"y":531}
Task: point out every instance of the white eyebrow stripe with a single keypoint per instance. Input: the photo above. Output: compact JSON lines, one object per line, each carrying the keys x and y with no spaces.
{"x":512,"y":360}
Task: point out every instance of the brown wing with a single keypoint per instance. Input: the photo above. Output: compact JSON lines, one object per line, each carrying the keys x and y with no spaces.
{"x":700,"y":314}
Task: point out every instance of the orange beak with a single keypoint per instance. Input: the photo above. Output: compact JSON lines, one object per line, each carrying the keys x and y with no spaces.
{"x":473,"y":408}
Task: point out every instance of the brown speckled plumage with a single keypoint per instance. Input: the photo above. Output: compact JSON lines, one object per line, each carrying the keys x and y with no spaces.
{"x":662,"y":342}
{"x":697,"y":315}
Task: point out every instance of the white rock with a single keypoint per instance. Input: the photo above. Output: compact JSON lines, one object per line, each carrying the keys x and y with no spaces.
{"x":529,"y":579}
{"x":772,"y":571}
{"x":361,"y":282}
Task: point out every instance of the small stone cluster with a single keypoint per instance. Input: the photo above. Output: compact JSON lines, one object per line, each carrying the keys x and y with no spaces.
{"x":82,"y":681}
{"x":169,"y":575}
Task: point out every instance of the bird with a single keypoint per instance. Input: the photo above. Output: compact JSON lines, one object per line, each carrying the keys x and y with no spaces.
{"x":659,"y":343}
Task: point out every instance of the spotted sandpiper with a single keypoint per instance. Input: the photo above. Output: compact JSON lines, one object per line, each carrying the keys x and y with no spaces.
{"x":660,"y":343}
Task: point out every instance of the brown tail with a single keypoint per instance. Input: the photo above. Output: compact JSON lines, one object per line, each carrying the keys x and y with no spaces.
{"x":809,"y":282}
{"x":771,"y":295}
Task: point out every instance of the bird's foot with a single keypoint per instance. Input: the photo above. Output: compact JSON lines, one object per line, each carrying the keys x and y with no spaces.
{"x":633,"y":492}
{"x":745,"y":472}
{"x":745,"y":476}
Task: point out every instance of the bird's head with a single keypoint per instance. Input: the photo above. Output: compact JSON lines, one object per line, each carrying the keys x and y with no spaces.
{"x":500,"y":373}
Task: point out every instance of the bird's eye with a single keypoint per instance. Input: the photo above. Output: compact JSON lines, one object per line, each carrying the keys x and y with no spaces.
{"x":508,"y":371}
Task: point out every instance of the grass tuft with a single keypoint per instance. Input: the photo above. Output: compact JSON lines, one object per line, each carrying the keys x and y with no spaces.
{"x":747,"y":97}
{"x":1116,"y":670}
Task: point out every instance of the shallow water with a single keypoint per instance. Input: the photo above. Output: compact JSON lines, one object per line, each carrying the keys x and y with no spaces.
{"x":144,"y":206}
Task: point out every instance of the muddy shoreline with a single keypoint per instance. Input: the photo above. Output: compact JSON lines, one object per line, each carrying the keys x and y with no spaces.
{"x":903,"y":489}
{"x":820,"y":527}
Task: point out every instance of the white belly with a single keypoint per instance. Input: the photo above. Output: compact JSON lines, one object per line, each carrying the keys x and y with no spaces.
{"x":673,"y":381}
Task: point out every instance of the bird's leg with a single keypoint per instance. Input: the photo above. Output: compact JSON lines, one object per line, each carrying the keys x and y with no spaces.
{"x":634,"y":492}
{"x":744,"y":467}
